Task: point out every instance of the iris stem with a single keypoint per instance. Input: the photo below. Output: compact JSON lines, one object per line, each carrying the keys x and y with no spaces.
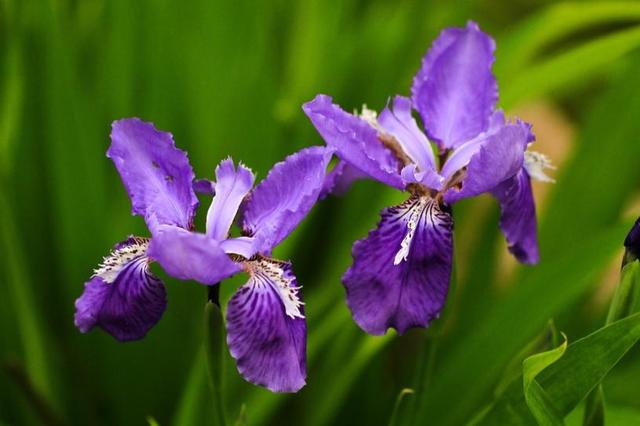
{"x":214,"y":346}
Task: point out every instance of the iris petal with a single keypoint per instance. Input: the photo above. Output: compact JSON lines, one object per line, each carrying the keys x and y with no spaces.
{"x":455,"y":91}
{"x":231,"y":187}
{"x":191,"y":256}
{"x":156,"y":174}
{"x":124,"y":298}
{"x":401,"y":270}
{"x":266,"y":330}
{"x":278,"y":204}
{"x":355,"y":140}
{"x":518,"y":217}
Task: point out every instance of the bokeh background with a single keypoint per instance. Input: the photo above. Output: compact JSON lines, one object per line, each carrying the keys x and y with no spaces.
{"x":229,"y":78}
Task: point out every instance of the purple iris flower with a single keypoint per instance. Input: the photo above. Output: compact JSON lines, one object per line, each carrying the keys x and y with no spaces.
{"x":266,"y":330}
{"x":632,"y":241}
{"x":401,"y":271}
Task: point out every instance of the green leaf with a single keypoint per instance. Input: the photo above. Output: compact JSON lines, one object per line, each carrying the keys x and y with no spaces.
{"x":242,"y":416}
{"x":560,"y":72}
{"x":622,"y":303}
{"x":594,"y":408}
{"x":554,"y":23}
{"x":537,"y":399}
{"x":214,"y":349}
{"x":401,"y":406}
{"x":567,"y":381}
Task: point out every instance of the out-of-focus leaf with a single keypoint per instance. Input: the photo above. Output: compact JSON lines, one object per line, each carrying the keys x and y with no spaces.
{"x":193,"y":407}
{"x":242,"y":416}
{"x":400,"y":409}
{"x":152,"y":421}
{"x":594,"y":408}
{"x":622,"y":303}
{"x":585,"y":363}
{"x":562,"y":71}
{"x":517,"y":51}
{"x":540,"y":405}
{"x":214,"y":349}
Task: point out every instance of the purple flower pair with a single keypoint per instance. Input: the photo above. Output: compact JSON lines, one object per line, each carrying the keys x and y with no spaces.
{"x":401,"y":271}
{"x":266,"y":330}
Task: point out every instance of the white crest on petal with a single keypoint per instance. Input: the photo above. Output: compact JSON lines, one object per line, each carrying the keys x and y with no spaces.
{"x":536,"y":163}
{"x":412,"y":222}
{"x":112,"y":265}
{"x":271,"y":272}
{"x":370,"y":116}
{"x":414,"y":208}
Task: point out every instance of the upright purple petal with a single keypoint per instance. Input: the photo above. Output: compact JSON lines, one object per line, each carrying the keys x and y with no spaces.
{"x":518,"y":216}
{"x":339,"y":179}
{"x":191,"y":256}
{"x":231,"y":187}
{"x":123,"y":298}
{"x":266,"y":330}
{"x":355,"y":140}
{"x":455,"y":90}
{"x":285,"y":196}
{"x":401,"y":271}
{"x":499,"y":158}
{"x":399,"y":122}
{"x":156,"y":174}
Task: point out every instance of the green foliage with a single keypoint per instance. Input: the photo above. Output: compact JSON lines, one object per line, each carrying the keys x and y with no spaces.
{"x":228,"y":78}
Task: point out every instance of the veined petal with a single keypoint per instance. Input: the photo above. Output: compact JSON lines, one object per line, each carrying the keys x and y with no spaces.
{"x":401,"y":270}
{"x":518,"y":216}
{"x":339,"y":179}
{"x":499,"y":158}
{"x":355,"y":140}
{"x":123,"y":297}
{"x":266,"y":330}
{"x":399,"y":123}
{"x":460,"y":156}
{"x":455,"y":91}
{"x":191,"y":256}
{"x":285,"y":196}
{"x":156,"y":174}
{"x":231,"y":187}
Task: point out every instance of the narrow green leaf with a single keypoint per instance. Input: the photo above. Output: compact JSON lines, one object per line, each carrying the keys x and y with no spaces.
{"x":560,"y":73}
{"x":623,"y":299}
{"x":214,"y":347}
{"x":152,"y":421}
{"x":555,"y":23}
{"x":537,"y":399}
{"x":567,"y":381}
{"x":594,"y":408}
{"x":242,"y":416}
{"x":401,"y":406}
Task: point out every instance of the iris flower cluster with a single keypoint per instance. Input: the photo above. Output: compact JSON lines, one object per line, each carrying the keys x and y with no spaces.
{"x":401,"y":271}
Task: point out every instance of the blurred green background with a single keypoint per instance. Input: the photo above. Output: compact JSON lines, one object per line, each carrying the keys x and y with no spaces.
{"x":228,"y":78}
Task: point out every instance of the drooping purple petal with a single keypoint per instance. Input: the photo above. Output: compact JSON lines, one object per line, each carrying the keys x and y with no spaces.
{"x":156,"y":174}
{"x":339,"y":179}
{"x":123,"y":298}
{"x":455,"y":90}
{"x":266,"y":330}
{"x":499,"y":158}
{"x":285,"y":196}
{"x":399,"y":122}
{"x":191,"y":256}
{"x":355,"y":140}
{"x":401,"y":270}
{"x":231,"y":187}
{"x":518,"y":217}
